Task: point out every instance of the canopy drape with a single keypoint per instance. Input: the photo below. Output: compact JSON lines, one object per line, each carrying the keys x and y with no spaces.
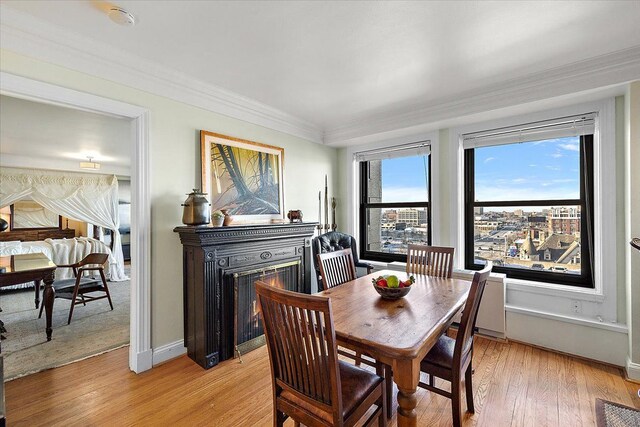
{"x":83,"y":197}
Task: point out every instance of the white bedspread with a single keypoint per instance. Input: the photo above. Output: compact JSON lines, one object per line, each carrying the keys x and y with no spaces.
{"x":63,"y":251}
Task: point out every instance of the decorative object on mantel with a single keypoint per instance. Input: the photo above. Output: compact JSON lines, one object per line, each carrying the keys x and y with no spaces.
{"x":196,"y":209}
{"x":245,"y":178}
{"x":326,"y":226}
{"x":228,"y":219}
{"x":217,"y":218}
{"x":295,"y":216}
{"x":3,"y":224}
{"x":635,"y":242}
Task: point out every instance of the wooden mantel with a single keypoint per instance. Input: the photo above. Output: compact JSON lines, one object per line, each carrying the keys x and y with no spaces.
{"x":215,"y":261}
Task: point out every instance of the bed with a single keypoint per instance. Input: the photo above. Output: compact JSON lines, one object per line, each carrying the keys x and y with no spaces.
{"x":60,"y":251}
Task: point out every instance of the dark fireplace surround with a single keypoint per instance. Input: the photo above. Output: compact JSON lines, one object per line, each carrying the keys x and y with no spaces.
{"x":220,"y":267}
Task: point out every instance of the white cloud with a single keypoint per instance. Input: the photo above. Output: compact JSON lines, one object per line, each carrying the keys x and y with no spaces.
{"x":488,"y":159}
{"x":557,"y":155}
{"x":533,"y":166}
{"x":404,"y":194}
{"x":569,"y":147}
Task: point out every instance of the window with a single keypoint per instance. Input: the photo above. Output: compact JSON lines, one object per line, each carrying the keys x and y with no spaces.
{"x":529,"y":200}
{"x":394,"y":205}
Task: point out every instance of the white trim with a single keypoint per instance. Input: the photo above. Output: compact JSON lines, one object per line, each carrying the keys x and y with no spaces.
{"x":605,"y":235}
{"x":140,"y":324}
{"x":604,"y":70}
{"x":542,"y":288}
{"x":28,"y":35}
{"x":353,"y":189}
{"x":608,"y":326}
{"x":633,"y":371}
{"x":168,"y":351}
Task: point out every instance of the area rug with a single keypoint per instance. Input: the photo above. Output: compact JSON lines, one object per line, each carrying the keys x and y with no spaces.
{"x":611,"y":414}
{"x":94,"y":329}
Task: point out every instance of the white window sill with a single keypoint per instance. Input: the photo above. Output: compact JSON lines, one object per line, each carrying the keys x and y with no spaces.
{"x":554,"y":289}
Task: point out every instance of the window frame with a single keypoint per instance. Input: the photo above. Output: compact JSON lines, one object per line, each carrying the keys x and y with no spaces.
{"x":364,"y":205}
{"x":586,"y":278}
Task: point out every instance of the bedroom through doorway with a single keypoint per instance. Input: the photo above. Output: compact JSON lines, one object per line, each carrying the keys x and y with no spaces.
{"x":66,"y":194}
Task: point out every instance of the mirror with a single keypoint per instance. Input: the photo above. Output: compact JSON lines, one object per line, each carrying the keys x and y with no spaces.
{"x":29,"y":214}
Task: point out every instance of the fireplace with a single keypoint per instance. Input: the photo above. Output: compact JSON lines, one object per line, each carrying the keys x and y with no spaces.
{"x":248,"y":330}
{"x":220,"y":268}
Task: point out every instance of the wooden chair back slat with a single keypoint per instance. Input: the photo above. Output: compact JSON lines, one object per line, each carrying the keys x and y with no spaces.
{"x":302,"y":346}
{"x":336,"y":268}
{"x":464,"y":339}
{"x":436,"y":261}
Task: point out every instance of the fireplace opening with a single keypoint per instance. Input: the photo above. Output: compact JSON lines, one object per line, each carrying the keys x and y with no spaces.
{"x":248,"y":329}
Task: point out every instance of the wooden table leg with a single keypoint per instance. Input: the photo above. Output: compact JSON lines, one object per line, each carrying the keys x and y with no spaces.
{"x":36,"y":285}
{"x":49,"y":296}
{"x":406,"y":374}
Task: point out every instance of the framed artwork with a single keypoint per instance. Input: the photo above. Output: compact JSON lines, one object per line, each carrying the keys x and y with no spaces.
{"x":243,"y":177}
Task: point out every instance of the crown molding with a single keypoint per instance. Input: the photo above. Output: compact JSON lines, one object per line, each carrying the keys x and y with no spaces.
{"x":27,"y":35}
{"x":605,"y":70}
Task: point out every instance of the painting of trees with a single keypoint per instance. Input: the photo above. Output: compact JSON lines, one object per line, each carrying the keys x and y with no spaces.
{"x":245,"y":181}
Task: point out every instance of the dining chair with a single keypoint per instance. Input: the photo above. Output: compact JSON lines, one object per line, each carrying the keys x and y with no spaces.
{"x":76,"y":288}
{"x":336,"y":268}
{"x":434,"y":261}
{"x":309,"y":383}
{"x":451,"y":358}
{"x":335,"y":241}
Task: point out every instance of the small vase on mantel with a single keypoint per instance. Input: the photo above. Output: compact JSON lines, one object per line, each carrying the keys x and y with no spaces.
{"x":228,"y":219}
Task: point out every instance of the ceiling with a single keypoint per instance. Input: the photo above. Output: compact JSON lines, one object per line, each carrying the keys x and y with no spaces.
{"x":333,"y":65}
{"x":47,"y":136}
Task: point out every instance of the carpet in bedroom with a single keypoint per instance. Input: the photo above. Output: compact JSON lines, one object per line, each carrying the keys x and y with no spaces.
{"x":94,"y":329}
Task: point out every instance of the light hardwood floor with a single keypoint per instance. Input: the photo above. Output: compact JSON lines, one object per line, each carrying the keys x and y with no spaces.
{"x":514,"y":385}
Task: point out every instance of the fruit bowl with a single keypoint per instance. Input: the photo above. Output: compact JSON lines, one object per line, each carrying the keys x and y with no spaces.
{"x":391,"y":288}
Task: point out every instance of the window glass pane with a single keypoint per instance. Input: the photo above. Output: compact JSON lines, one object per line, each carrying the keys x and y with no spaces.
{"x":391,"y":230}
{"x":402,"y":179}
{"x":538,"y":170}
{"x":531,"y":238}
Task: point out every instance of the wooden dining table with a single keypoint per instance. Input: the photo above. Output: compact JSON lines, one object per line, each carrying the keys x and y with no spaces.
{"x":16,"y":269}
{"x":398,"y":333}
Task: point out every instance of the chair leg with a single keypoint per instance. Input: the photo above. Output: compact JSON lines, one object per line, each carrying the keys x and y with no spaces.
{"x":381,"y":370}
{"x":456,"y":404}
{"x":388,"y":379}
{"x":106,"y":288}
{"x":41,"y":307}
{"x":432,"y":380}
{"x":73,"y":300}
{"x":469,"y":388}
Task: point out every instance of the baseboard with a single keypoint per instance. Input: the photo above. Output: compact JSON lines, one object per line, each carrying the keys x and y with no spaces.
{"x":633,"y":371}
{"x":168,"y":351}
{"x":142,"y":361}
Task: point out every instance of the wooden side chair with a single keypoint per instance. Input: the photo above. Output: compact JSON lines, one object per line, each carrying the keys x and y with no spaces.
{"x":331,"y":242}
{"x":75,"y":289}
{"x":434,"y":261}
{"x":450,"y":359}
{"x":310,"y":384}
{"x":336,"y":268}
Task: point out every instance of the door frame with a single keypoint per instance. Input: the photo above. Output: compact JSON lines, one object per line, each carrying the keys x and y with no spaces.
{"x":140,"y":351}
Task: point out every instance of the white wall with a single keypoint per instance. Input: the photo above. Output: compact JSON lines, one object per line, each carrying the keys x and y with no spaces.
{"x":175,"y":170}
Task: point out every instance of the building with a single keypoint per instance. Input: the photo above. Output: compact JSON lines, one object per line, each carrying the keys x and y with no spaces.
{"x":564,"y":220}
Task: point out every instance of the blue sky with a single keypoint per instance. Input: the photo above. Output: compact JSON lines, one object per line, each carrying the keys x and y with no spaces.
{"x":548,"y":169}
{"x":405,"y":179}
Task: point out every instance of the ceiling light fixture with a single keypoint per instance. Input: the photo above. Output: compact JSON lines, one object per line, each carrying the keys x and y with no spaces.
{"x":121,"y":16}
{"x":90,"y":165}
